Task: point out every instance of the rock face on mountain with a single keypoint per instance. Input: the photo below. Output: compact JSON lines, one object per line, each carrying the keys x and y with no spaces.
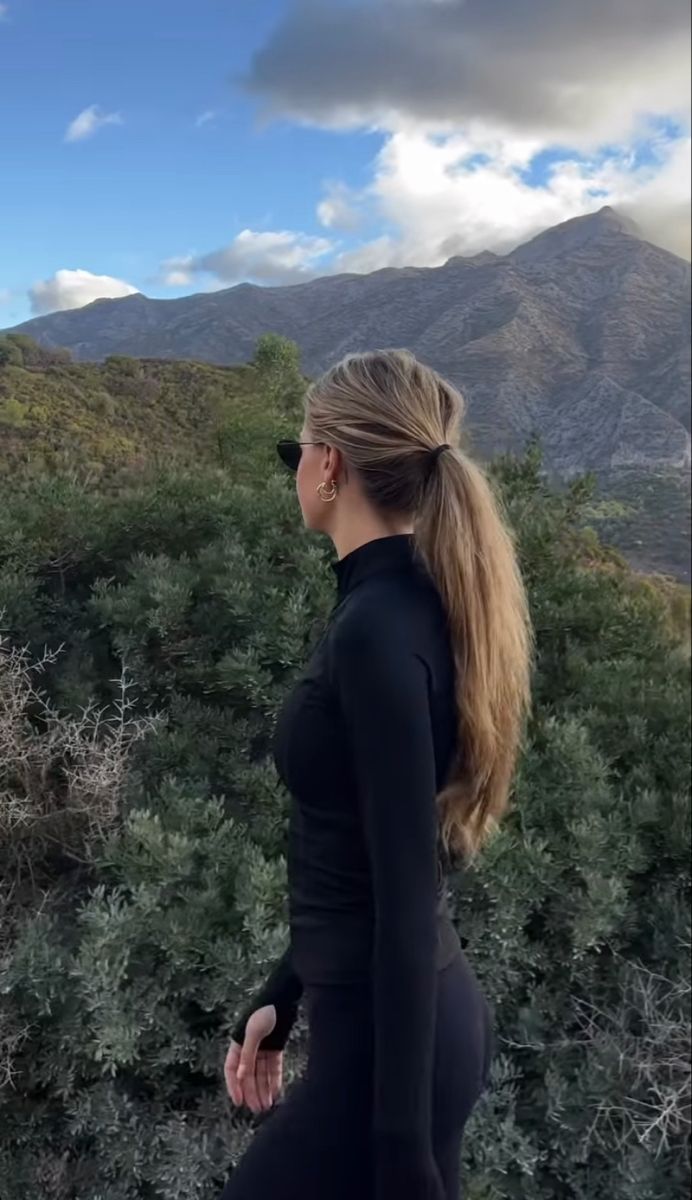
{"x":581,"y":336}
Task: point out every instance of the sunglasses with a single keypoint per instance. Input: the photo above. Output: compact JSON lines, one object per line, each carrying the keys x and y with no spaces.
{"x":291,"y":453}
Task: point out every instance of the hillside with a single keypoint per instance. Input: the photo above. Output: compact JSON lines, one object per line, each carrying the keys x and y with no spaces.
{"x":121,"y":413}
{"x":124,"y":413}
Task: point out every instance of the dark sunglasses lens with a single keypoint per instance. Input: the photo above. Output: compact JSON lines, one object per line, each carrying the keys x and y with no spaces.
{"x":289,"y":453}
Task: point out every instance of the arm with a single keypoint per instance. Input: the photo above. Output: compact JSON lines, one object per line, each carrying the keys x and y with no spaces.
{"x":283,"y":989}
{"x":383,"y":690}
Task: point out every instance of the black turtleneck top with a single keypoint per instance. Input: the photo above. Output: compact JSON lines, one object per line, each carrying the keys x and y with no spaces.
{"x":364,"y":743}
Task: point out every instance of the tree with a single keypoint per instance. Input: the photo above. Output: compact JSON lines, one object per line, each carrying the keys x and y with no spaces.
{"x":10,"y":353}
{"x":276,"y":355}
{"x":277,"y":362}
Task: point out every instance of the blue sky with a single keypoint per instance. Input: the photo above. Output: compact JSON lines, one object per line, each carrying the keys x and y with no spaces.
{"x":198,"y":125}
{"x":122,"y":201}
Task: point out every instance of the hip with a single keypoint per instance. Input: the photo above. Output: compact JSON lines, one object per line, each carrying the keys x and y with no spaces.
{"x":341,"y":1031}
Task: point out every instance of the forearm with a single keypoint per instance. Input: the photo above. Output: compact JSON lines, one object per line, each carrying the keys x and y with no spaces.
{"x":404,"y":1004}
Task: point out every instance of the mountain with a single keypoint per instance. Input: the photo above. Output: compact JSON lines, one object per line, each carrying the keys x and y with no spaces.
{"x":581,"y":335}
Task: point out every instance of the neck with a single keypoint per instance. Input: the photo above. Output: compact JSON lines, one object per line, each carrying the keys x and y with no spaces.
{"x":354,"y":534}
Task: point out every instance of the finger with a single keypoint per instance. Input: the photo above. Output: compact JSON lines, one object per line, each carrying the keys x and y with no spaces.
{"x":233,"y":1087}
{"x":275,"y":1080}
{"x":247,"y":1071}
{"x":248,"y":1058}
{"x":250,"y":1093}
{"x":263,"y":1088}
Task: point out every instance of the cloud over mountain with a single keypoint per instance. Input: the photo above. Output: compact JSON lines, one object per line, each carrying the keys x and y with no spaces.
{"x":73,"y":289}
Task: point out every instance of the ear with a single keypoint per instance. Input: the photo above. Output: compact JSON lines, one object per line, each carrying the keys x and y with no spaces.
{"x":334,"y":465}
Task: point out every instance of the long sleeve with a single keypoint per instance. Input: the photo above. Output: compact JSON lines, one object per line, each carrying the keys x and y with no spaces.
{"x":383,"y":692}
{"x":283,"y":989}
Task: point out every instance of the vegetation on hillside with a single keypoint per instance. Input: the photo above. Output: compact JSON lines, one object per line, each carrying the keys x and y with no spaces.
{"x":167,"y":613}
{"x":129,"y":413}
{"x":647,"y":516}
{"x":57,"y":415}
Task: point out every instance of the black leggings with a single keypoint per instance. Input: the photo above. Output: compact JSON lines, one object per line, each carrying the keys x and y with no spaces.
{"x":316,"y":1144}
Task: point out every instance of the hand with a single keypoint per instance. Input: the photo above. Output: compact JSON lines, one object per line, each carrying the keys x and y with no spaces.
{"x":253,"y":1076}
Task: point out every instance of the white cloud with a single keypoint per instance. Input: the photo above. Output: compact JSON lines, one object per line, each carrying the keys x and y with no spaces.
{"x":470,"y":96}
{"x":5,"y":296}
{"x":498,"y":119}
{"x":177,"y":272}
{"x":73,"y":289}
{"x":458,"y":194}
{"x":269,"y":257}
{"x":338,"y":208}
{"x":205,"y":117}
{"x":88,"y":121}
{"x":463,"y":193}
{"x":660,"y":202}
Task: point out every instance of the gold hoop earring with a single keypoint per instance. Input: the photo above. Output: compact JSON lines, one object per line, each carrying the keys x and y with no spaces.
{"x":327,"y":496}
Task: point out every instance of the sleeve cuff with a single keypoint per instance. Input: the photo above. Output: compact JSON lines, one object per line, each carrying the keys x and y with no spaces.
{"x":276,"y":1040}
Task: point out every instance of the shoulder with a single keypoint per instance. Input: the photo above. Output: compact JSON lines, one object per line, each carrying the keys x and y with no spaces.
{"x":372,"y":614}
{"x":385,"y":623}
{"x":359,"y":630}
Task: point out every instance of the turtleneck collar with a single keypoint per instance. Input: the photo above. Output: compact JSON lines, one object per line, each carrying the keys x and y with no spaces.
{"x":381,"y":554}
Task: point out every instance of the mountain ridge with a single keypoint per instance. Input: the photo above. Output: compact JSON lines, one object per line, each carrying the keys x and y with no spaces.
{"x":585,"y":326}
{"x":597,"y":224}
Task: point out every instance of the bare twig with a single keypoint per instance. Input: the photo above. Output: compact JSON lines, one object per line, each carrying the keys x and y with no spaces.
{"x":61,"y":777}
{"x":646,"y":1040}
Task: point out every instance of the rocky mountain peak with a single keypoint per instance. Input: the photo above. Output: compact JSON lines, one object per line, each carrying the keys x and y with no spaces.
{"x":573,"y":234}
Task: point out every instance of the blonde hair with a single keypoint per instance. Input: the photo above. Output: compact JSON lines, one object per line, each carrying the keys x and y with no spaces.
{"x":386,"y":412}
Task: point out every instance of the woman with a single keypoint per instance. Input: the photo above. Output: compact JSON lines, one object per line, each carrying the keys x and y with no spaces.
{"x":398,"y":745}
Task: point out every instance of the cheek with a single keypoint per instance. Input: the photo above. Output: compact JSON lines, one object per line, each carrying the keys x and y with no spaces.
{"x":306,"y":487}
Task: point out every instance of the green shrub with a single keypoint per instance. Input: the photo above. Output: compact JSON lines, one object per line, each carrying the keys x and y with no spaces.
{"x":128,"y":950}
{"x":10,"y":353}
{"x":24,"y":351}
{"x":12,"y":413}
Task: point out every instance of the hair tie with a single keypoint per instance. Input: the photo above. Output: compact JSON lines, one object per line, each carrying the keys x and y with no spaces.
{"x":433,"y":456}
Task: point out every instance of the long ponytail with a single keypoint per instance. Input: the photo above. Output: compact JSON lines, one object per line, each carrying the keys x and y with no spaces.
{"x":470,"y":555}
{"x":389,"y":415}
